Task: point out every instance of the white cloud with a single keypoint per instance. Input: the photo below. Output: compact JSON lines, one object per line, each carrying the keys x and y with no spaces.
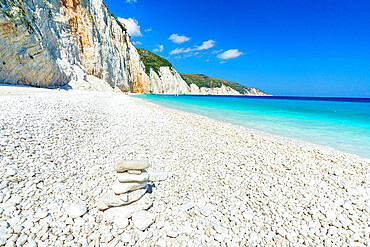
{"x":217,"y":52}
{"x":206,"y":45}
{"x":178,"y":39}
{"x":137,"y":43}
{"x":148,"y":30}
{"x":131,"y":25}
{"x":160,"y":48}
{"x":177,"y":51}
{"x":229,"y":54}
{"x":180,"y":50}
{"x":131,"y":1}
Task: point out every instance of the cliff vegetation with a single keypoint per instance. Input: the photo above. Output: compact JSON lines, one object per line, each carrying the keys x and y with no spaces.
{"x":209,"y":82}
{"x":151,"y":60}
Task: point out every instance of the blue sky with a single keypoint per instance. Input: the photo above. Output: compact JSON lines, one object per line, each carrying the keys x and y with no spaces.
{"x":310,"y":48}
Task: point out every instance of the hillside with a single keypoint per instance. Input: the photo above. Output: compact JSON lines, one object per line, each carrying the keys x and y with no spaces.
{"x":151,"y":60}
{"x":208,"y":82}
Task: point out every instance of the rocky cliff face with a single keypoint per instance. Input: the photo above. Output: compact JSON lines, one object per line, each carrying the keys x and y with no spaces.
{"x":223,"y":90}
{"x":51,"y":42}
{"x":168,"y":81}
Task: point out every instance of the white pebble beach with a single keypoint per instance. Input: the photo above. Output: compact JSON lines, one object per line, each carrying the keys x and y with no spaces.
{"x":227,"y":185}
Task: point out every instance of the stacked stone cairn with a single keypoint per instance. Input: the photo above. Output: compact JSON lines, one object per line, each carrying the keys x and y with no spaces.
{"x":128,"y":197}
{"x":130,"y":186}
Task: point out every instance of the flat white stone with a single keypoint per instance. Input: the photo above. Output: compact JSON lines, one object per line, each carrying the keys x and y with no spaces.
{"x":127,"y":177}
{"x":101,"y":205}
{"x":17,"y":229}
{"x":253,"y":236}
{"x":32,"y":243}
{"x":126,"y":237}
{"x":121,"y":222}
{"x":133,"y":196}
{"x":187,"y":229}
{"x":28,"y":224}
{"x":3,"y":142}
{"x":106,"y":237}
{"x":187,"y":205}
{"x":15,"y":199}
{"x":41,"y":214}
{"x":219,"y":237}
{"x":76,"y":210}
{"x":13,"y":221}
{"x":112,"y":200}
{"x":124,"y":165}
{"x":331,"y":215}
{"x":123,"y":197}
{"x":120,"y":188}
{"x":205,"y":210}
{"x":143,"y":219}
{"x":22,"y":240}
{"x":10,"y":171}
{"x":4,"y":224}
{"x":172,"y":234}
{"x":128,"y":210}
{"x":218,"y":228}
{"x":79,"y":221}
{"x":281,"y":231}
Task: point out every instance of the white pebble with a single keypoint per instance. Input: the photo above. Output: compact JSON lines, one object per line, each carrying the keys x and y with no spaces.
{"x":76,"y":210}
{"x":142,"y":220}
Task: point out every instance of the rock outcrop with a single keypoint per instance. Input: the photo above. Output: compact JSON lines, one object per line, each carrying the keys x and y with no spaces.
{"x":52,"y":42}
{"x":168,"y":81}
{"x":223,"y":90}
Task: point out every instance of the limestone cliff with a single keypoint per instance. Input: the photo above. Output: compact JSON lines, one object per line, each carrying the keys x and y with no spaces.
{"x":168,"y":81}
{"x":53,"y":42}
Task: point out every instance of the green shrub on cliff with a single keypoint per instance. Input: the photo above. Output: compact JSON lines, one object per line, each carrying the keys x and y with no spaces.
{"x":206,"y":81}
{"x":151,"y":60}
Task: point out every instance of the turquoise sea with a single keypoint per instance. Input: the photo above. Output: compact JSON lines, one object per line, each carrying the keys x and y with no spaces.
{"x":340,"y":123}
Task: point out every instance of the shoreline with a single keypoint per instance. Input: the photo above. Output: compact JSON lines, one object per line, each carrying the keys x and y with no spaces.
{"x":228,"y":185}
{"x":292,"y":140}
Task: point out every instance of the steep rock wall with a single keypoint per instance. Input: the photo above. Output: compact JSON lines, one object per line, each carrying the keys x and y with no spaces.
{"x":51,"y":42}
{"x":166,"y":81}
